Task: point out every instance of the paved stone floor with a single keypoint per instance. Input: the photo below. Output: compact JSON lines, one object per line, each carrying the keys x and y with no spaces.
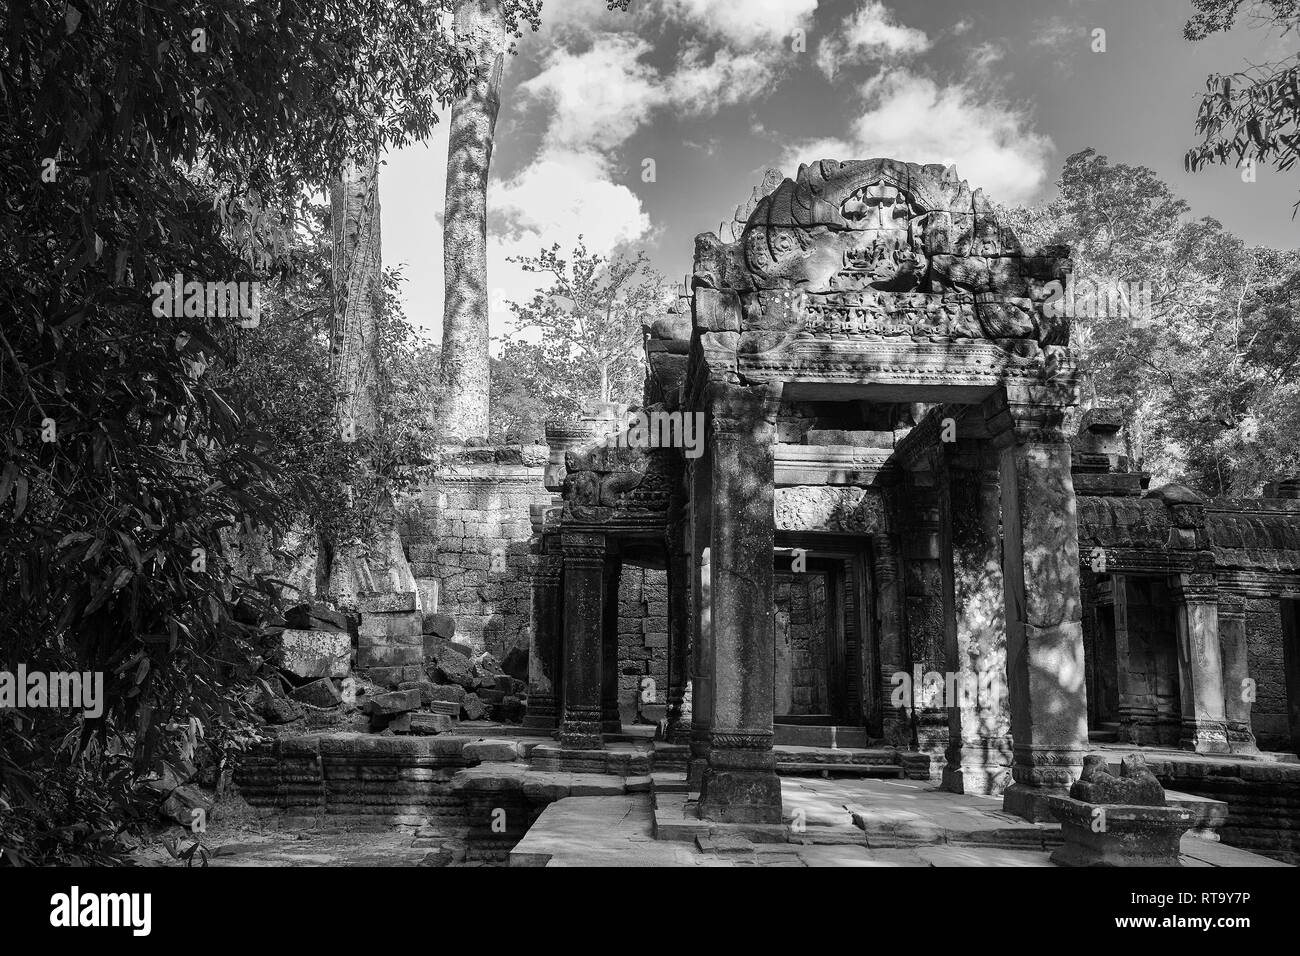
{"x":850,"y":822}
{"x":844,"y":822}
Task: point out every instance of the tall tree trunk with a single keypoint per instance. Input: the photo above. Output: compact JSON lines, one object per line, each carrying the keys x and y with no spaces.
{"x":355,"y":270}
{"x":356,"y":273}
{"x":464,"y":371}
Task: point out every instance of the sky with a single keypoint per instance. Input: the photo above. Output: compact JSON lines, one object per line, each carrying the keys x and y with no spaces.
{"x":640,"y":130}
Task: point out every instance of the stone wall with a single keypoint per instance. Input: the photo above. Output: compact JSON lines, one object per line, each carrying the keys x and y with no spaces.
{"x":801,"y":599}
{"x":1268,"y":715}
{"x":1153,"y":658}
{"x":469,"y":539}
{"x":1263,"y":799}
{"x":642,"y":644}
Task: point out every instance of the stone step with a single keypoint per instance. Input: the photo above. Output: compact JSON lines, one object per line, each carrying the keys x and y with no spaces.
{"x":819,"y":735}
{"x":858,"y":761}
{"x":826,"y":769}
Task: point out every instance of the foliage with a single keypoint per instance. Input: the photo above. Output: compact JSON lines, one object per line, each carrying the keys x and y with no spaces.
{"x":1253,"y":114}
{"x":1206,"y":381}
{"x":128,"y":155}
{"x":590,"y":348}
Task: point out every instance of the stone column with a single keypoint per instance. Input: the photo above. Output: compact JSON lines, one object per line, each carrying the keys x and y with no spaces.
{"x":1045,"y":670}
{"x":1238,"y":687}
{"x":923,"y":583}
{"x":740,"y":783}
{"x":1200,"y":670}
{"x":895,"y":725}
{"x":611,"y":721}
{"x":979,"y":751}
{"x":545,"y":664}
{"x":678,"y":730}
{"x":584,"y":574}
{"x":701,"y":617}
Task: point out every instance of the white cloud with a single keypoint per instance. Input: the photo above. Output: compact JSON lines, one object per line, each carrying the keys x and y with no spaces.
{"x":598,"y":97}
{"x":870,"y":32}
{"x":553,"y":199}
{"x":560,"y":193}
{"x":912,"y":119}
{"x":702,"y":88}
{"x":745,"y":23}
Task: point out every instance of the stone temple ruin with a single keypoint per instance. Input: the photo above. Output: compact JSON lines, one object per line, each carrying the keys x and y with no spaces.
{"x":901,"y":547}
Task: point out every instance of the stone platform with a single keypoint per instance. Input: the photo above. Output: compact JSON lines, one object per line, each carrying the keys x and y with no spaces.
{"x":841,"y":823}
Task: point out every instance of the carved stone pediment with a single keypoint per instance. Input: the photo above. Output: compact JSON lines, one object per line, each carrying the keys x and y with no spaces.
{"x":875,"y":249}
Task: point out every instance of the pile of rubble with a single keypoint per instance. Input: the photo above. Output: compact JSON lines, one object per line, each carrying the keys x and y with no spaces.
{"x":411,"y":675}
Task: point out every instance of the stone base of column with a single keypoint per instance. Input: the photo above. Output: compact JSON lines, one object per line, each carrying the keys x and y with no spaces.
{"x":740,"y":784}
{"x":542,"y":711}
{"x":1039,"y":772}
{"x":1241,"y":739}
{"x":933,"y":736}
{"x":1148,"y":730}
{"x":699,"y":758}
{"x":896,"y":729}
{"x":981,"y":766}
{"x":1205,"y":736}
{"x":581,"y":729}
{"x":678,"y":731}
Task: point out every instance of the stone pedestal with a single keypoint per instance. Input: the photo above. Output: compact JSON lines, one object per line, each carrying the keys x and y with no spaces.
{"x":545,"y":664}
{"x":1098,"y":835}
{"x":584,"y":578}
{"x":1238,"y":689}
{"x":739,"y":784}
{"x":1200,"y":672}
{"x":1045,"y":667}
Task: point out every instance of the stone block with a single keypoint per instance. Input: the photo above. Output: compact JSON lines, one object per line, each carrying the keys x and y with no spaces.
{"x":379,"y":655}
{"x":319,"y":693}
{"x":381,"y":601}
{"x":386,"y":676}
{"x":309,"y":654}
{"x":473,"y":707}
{"x":389,"y":625}
{"x":491,"y":751}
{"x":452,"y":668}
{"x":431,"y":723}
{"x":440,"y":625}
{"x":394,"y":702}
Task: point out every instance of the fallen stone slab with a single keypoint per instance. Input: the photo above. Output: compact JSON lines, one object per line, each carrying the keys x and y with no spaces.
{"x":427,"y":723}
{"x":440,"y":625}
{"x":491,"y":751}
{"x":473,"y":707}
{"x":312,"y":654}
{"x":394,"y":702}
{"x":319,"y":693}
{"x":452,"y":668}
{"x":315,"y":616}
{"x":492,"y":776}
{"x":378,"y":602}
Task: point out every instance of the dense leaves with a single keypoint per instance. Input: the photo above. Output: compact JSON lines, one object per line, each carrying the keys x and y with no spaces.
{"x":141,"y":142}
{"x":1206,"y":377}
{"x":1253,"y":115}
{"x":586,"y":337}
